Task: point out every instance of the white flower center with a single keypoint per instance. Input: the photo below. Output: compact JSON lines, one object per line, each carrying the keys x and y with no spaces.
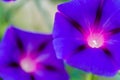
{"x":28,"y":65}
{"x":95,"y":40}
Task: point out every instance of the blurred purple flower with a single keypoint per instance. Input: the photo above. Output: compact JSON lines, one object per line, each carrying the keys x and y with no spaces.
{"x":29,"y":56}
{"x":8,"y":0}
{"x":87,"y":35}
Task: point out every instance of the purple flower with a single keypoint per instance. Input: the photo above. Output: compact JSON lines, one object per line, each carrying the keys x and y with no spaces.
{"x":8,"y":0}
{"x":29,"y":56}
{"x":87,"y":35}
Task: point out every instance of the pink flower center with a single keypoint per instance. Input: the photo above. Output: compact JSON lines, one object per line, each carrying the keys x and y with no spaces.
{"x":95,"y":40}
{"x":28,"y":65}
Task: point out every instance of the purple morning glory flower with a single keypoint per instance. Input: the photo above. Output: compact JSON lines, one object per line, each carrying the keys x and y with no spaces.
{"x":8,"y":0}
{"x":87,"y":35}
{"x":29,"y":56}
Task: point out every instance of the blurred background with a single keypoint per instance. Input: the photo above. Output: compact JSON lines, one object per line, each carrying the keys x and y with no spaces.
{"x":38,"y":16}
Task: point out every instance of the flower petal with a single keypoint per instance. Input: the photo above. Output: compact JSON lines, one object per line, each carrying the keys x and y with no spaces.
{"x":65,"y":48}
{"x":94,"y":61}
{"x":50,"y":75}
{"x":76,"y":54}
{"x":10,"y":74}
{"x":113,"y":44}
{"x":65,"y":29}
{"x":112,"y":25}
{"x":52,"y":66}
{"x":17,"y":43}
{"x":110,"y":9}
{"x":75,"y":11}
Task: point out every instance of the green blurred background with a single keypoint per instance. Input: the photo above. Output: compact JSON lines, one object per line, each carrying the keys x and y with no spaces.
{"x":38,"y":16}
